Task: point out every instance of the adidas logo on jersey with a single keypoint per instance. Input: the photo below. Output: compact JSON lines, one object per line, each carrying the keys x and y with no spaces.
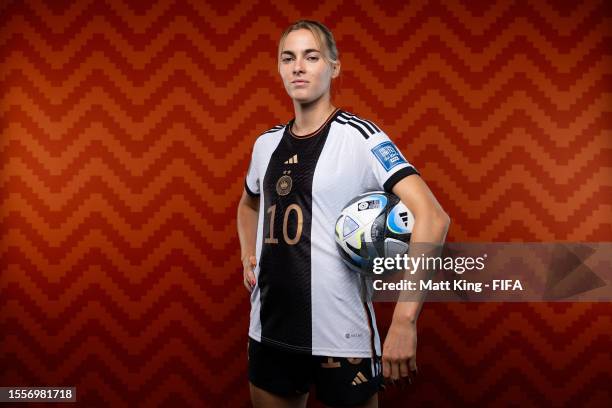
{"x":292,"y":160}
{"x":359,"y":379}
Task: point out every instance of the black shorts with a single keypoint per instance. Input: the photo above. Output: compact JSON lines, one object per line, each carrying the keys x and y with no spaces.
{"x":338,"y":381}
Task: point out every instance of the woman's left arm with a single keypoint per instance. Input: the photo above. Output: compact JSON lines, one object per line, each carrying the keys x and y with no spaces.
{"x":430,"y":226}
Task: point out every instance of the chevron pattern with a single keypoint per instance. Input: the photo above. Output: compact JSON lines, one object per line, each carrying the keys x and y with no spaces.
{"x":126,"y":131}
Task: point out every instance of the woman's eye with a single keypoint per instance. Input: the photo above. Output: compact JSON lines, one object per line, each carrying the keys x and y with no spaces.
{"x":313,"y":58}
{"x":286,"y":59}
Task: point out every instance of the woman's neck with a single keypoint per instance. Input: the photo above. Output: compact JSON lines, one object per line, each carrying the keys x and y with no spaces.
{"x":309,"y":118}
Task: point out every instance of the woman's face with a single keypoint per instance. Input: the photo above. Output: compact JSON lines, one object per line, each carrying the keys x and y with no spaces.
{"x":305,"y":73}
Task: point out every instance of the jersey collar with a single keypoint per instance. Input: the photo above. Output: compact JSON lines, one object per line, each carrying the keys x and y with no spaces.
{"x":316,"y":132}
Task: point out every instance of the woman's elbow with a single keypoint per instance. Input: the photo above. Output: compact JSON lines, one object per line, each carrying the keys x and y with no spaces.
{"x":441,"y":220}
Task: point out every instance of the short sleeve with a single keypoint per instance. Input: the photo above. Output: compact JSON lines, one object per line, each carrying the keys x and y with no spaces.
{"x":251,"y":182}
{"x":386,"y":161}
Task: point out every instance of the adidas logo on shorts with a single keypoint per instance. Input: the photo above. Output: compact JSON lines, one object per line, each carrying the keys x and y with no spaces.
{"x":359,"y":379}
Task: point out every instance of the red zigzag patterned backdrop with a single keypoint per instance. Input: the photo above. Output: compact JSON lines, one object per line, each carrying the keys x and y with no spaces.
{"x":126,"y":134}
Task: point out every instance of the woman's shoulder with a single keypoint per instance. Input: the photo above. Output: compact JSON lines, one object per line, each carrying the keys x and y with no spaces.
{"x":269,"y":137}
{"x":357,"y":125}
{"x":274,"y":129}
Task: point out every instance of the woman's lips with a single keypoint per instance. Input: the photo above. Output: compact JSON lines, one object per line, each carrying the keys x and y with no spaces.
{"x":299,"y":83}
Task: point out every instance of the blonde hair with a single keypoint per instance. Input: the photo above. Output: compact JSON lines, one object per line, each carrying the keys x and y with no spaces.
{"x":322,"y":35}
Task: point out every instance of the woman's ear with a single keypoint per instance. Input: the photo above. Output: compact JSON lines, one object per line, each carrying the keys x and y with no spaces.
{"x":336,"y":69}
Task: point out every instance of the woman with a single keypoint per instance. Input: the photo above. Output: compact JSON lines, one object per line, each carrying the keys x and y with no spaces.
{"x":309,"y":325}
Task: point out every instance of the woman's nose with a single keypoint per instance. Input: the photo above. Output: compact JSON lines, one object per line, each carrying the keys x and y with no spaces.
{"x":298,"y":66}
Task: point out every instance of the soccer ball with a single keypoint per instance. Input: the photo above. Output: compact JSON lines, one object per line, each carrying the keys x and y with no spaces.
{"x":374,"y":224}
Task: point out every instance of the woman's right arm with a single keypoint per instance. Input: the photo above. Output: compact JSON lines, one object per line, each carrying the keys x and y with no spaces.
{"x":248,"y":214}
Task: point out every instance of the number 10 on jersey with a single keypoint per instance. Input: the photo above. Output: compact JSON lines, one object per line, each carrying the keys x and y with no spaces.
{"x":271,"y":239}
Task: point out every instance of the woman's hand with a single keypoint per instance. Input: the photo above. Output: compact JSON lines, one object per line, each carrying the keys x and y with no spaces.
{"x":247,"y":215}
{"x":248,"y":264}
{"x":399,"y":351}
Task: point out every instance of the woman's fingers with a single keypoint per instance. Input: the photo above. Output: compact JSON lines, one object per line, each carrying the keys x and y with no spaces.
{"x":249,"y":274}
{"x":247,"y":285}
{"x":403,"y":369}
{"x":386,"y":368}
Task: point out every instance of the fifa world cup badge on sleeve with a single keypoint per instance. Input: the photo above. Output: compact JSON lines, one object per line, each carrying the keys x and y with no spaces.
{"x":388,"y":155}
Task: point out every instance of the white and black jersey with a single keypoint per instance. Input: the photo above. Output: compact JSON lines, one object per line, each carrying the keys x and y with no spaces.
{"x":305,"y":298}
